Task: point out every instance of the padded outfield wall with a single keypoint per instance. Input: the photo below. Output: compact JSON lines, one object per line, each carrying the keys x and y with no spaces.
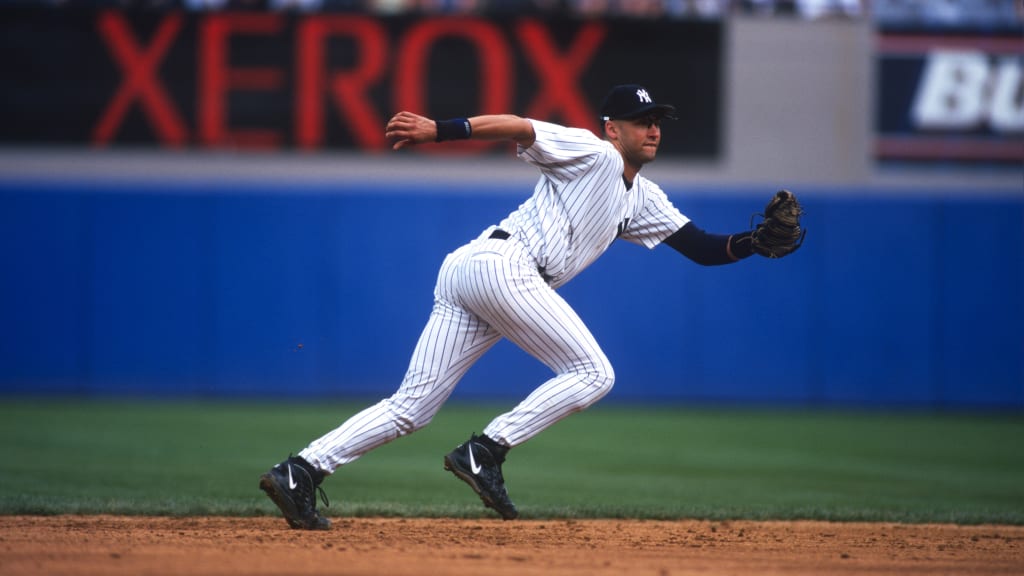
{"x":314,"y":291}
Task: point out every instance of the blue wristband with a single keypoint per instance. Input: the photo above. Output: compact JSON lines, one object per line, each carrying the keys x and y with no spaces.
{"x":454,"y":129}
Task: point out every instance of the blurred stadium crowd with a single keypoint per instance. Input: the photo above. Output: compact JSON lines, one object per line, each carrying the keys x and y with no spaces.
{"x":938,"y":13}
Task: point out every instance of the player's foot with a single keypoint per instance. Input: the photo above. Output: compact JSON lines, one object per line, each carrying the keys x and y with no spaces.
{"x":293,"y":485}
{"x":479,"y":466}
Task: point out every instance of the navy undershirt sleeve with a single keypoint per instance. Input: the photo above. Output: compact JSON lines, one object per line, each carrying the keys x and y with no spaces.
{"x":708,"y":249}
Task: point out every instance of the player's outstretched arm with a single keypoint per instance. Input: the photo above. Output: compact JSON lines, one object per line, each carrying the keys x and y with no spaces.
{"x":503,"y":127}
{"x":408,"y":129}
{"x":709,"y":249}
{"x":778,"y":235}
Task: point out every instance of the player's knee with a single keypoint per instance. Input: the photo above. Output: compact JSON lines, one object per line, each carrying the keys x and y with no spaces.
{"x":605,"y":383}
{"x":599,"y":381}
{"x":409,"y":417}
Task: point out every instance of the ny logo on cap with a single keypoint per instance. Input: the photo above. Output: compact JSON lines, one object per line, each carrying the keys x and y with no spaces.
{"x":643,"y":96}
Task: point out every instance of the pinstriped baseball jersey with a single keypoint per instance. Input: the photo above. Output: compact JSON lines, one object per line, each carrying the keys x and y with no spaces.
{"x":580,"y":204}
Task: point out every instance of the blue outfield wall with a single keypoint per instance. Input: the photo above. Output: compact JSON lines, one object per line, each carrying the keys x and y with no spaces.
{"x":895,"y":300}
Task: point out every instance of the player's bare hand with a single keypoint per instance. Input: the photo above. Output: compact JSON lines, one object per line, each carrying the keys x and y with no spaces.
{"x":407,"y":129}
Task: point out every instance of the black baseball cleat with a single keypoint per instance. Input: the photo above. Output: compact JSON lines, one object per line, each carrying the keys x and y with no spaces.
{"x":479,"y":465}
{"x":293,"y":485}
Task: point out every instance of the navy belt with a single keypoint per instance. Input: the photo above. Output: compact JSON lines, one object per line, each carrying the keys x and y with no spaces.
{"x":499,"y":234}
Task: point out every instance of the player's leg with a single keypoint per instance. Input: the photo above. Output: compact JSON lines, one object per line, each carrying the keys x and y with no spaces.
{"x":451,"y":342}
{"x":524,"y":309}
{"x":502,"y":286}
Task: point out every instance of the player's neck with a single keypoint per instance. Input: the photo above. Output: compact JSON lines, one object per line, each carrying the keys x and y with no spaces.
{"x":629,"y":174}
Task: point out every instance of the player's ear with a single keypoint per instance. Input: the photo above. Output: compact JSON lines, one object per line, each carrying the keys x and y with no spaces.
{"x":611,"y":129}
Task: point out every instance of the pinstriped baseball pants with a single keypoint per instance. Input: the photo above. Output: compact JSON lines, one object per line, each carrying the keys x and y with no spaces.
{"x":486,"y":290}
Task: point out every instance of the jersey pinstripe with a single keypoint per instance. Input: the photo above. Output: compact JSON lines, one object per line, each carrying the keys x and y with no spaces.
{"x":494,"y":288}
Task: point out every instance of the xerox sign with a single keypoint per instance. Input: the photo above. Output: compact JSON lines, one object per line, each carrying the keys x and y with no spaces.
{"x":272,"y":80}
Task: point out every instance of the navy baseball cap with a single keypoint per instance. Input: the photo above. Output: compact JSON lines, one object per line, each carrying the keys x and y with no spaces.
{"x":629,"y":101}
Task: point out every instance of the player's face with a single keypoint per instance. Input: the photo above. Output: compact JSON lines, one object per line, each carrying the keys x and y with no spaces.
{"x":639,"y":139}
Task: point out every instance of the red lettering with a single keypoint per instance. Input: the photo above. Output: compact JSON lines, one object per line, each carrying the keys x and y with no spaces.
{"x":559,"y":73}
{"x":348,"y":89}
{"x":217,"y":79}
{"x":411,"y":75}
{"x":139,"y":65}
{"x":352,"y":92}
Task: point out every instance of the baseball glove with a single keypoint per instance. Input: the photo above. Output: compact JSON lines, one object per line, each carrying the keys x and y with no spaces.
{"x":779,"y":233}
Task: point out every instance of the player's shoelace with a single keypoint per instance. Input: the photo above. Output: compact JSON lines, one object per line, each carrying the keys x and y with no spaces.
{"x":323,"y":498}
{"x":307,"y":493}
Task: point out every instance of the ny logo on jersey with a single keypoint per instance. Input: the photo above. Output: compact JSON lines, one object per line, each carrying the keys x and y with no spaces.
{"x":643,"y":96}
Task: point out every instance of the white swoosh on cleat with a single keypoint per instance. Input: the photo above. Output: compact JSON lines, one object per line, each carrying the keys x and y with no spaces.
{"x":292,"y":484}
{"x":472,"y":463}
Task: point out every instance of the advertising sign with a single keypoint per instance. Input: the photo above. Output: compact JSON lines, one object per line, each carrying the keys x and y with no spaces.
{"x":269,"y":80}
{"x":950,"y":98}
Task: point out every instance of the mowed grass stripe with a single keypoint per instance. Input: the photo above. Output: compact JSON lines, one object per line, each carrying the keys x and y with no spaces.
{"x":188,"y":458}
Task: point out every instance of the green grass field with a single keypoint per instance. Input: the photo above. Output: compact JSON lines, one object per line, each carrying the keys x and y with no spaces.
{"x":200,"y":458}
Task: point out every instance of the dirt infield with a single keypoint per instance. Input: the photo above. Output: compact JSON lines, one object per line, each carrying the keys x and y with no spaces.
{"x":112,"y":545}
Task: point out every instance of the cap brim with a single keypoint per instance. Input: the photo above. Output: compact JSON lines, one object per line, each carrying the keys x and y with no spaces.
{"x":662,"y":110}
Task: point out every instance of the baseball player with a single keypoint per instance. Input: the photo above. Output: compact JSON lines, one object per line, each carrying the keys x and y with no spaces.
{"x":503,"y":285}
